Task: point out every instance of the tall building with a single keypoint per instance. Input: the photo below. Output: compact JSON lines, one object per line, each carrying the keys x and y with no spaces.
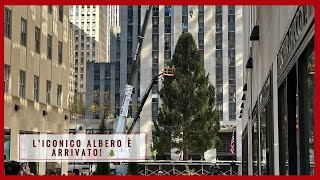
{"x":71,"y":65}
{"x":278,"y":113}
{"x":105,"y":77}
{"x":98,"y":80}
{"x":36,"y":66}
{"x":129,"y":31}
{"x":217,"y":31}
{"x":92,"y":38}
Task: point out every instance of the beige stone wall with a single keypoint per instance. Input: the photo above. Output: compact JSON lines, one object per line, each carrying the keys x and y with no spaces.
{"x":30,"y":115}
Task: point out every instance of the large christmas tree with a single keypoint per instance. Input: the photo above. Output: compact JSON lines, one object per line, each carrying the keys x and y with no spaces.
{"x":187,"y":119}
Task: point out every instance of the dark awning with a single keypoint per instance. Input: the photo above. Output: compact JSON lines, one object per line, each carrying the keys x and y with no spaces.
{"x":249,"y":64}
{"x":255,"y":34}
{"x":243,"y":97}
{"x":245,"y":87}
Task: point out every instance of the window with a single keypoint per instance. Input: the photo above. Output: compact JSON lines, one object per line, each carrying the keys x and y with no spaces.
{"x":231,"y":26}
{"x":218,"y":38}
{"x":232,"y":92}
{"x":154,"y":110}
{"x":231,"y":44}
{"x":48,"y":92}
{"x":60,"y":50}
{"x":22,"y":84}
{"x":218,"y":9}
{"x":219,"y":79}
{"x":219,"y":21}
{"x":36,"y":88}
{"x":167,"y":28}
{"x":231,"y":18}
{"x":232,"y":70}
{"x":201,"y":10}
{"x":59,"y":95}
{"x":49,"y":49}
{"x":185,"y":23}
{"x":23,"y":35}
{"x":155,"y":60}
{"x":37,"y":39}
{"x":231,"y":61}
{"x":167,"y":55}
{"x":155,"y":11}
{"x":61,"y":13}
{"x":6,"y":78}
{"x":50,"y":9}
{"x":7,"y":23}
{"x":231,"y":9}
{"x":219,"y":97}
{"x":220,"y":110}
{"x":167,"y":46}
{"x":218,"y":53}
{"x":231,"y":53}
{"x":231,"y":36}
{"x":155,"y":72}
{"x":167,"y":11}
{"x":219,"y":62}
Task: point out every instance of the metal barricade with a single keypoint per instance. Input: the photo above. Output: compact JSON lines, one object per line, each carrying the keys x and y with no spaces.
{"x":193,"y":168}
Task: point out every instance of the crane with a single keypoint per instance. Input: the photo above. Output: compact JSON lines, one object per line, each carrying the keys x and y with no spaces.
{"x":129,"y":88}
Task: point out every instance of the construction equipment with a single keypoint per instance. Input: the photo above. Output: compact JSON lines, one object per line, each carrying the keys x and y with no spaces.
{"x":167,"y":71}
{"x":129,"y":88}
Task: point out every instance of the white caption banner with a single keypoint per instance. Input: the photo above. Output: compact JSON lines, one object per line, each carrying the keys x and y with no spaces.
{"x":82,"y":147}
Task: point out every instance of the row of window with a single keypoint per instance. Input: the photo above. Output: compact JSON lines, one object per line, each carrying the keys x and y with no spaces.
{"x":155,"y":50}
{"x":185,"y":18}
{"x":37,"y":31}
{"x":83,"y":13}
{"x":219,"y":65}
{"x":201,"y":32}
{"x":232,"y":69}
{"x":36,"y":86}
{"x":60,"y":13}
{"x":129,"y":41}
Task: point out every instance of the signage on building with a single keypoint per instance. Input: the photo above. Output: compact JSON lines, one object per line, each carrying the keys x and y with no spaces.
{"x":302,"y":18}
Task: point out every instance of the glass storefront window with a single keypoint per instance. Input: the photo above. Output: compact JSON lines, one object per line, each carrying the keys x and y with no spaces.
{"x":6,"y":145}
{"x":263,"y":142}
{"x":245,"y":152}
{"x":255,"y":146}
{"x":283,"y":131}
{"x":296,"y":116}
{"x":53,"y":167}
{"x":310,"y":107}
{"x":306,"y":112}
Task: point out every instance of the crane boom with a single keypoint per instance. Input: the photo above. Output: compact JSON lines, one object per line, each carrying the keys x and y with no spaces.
{"x":129,"y":88}
{"x":136,"y":59}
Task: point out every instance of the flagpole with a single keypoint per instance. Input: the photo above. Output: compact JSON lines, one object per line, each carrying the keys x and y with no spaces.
{"x":232,"y":150}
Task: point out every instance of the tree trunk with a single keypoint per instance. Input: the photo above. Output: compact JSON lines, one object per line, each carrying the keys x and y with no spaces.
{"x":185,"y":154}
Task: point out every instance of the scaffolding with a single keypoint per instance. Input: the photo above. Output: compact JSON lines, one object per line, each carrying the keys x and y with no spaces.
{"x":222,"y":168}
